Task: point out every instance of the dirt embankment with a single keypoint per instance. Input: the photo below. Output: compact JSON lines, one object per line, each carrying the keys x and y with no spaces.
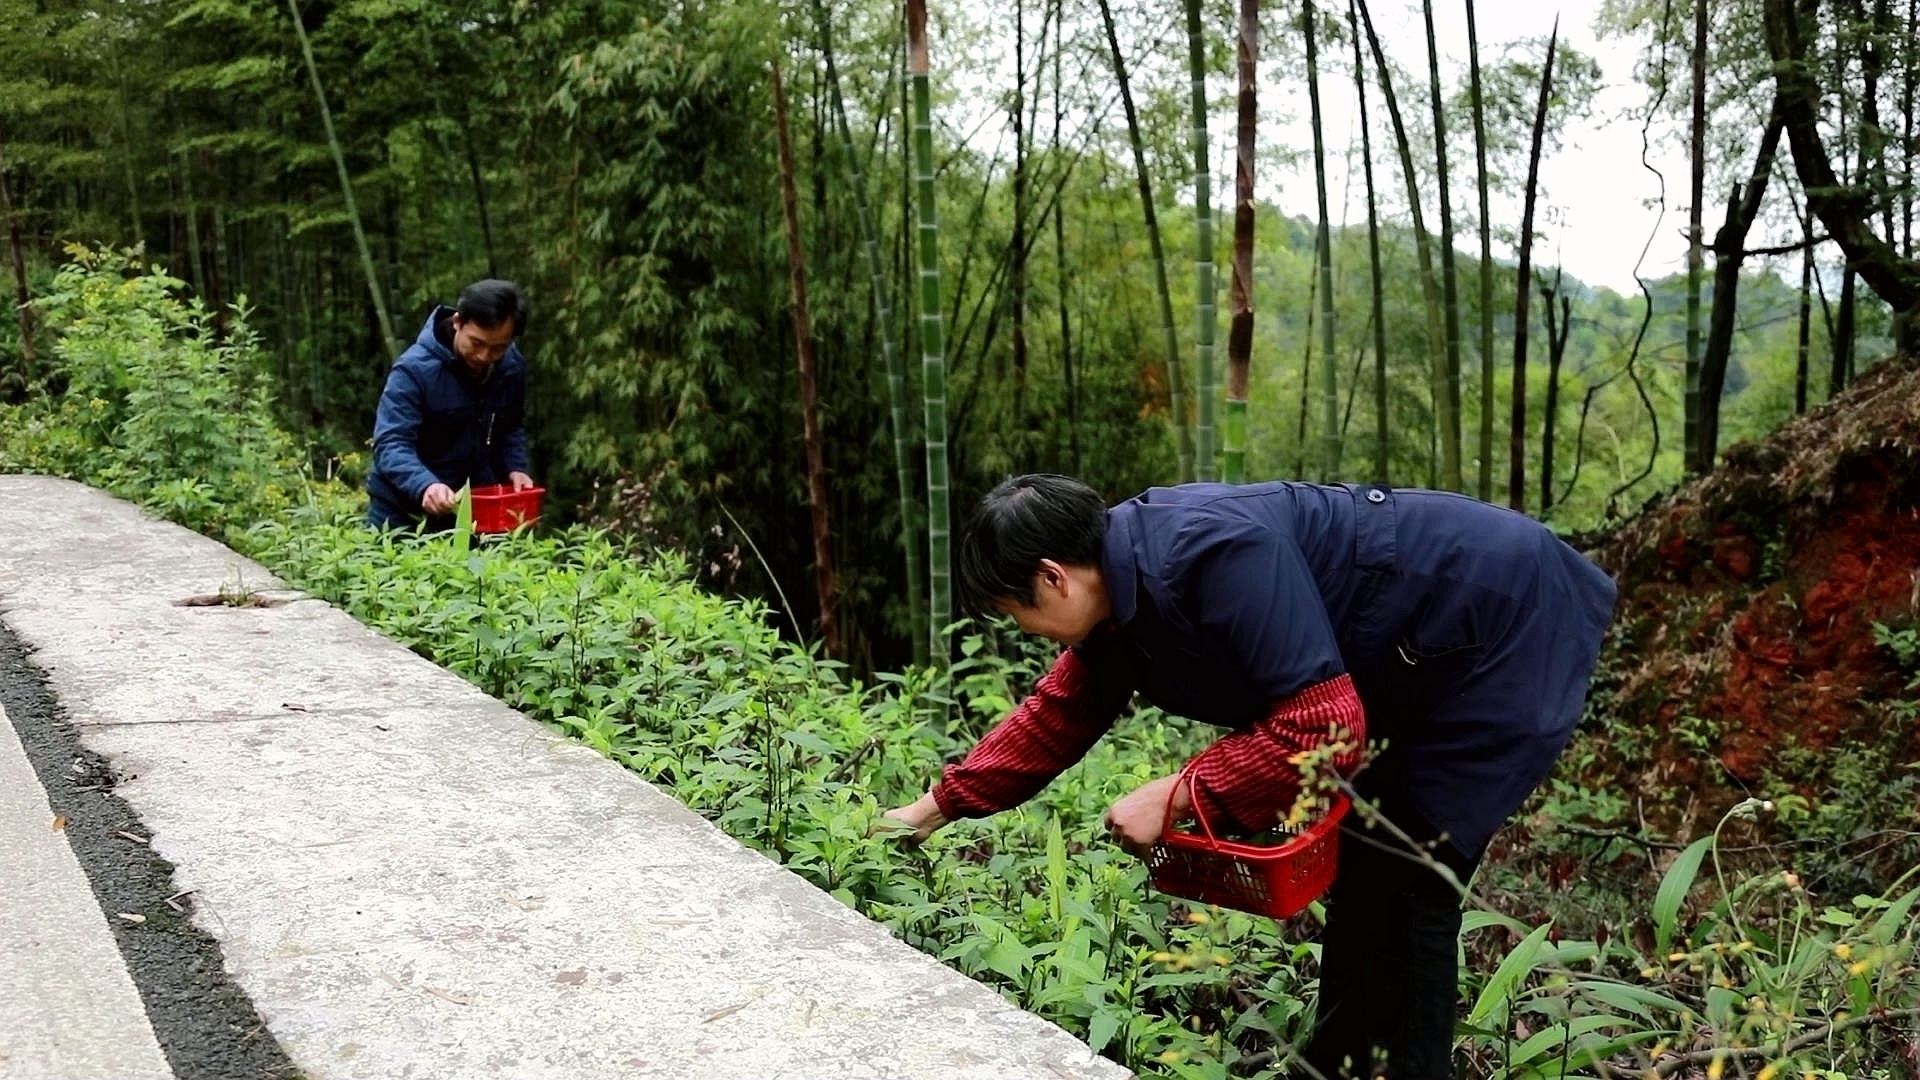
{"x":1744,"y":649}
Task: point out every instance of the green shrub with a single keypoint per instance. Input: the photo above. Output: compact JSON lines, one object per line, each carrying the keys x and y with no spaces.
{"x":143,"y":399}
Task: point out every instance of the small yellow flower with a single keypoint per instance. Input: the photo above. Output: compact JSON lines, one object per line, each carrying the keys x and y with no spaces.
{"x":1768,"y":1073}
{"x":1648,"y":973}
{"x":1163,"y":958}
{"x":1222,"y":959}
{"x":1676,"y":958}
{"x":1859,"y":967}
{"x":1169,"y":1057}
{"x":1843,"y":950}
{"x":1792,"y":879}
{"x":1199,"y":918}
{"x":1717,"y":1068}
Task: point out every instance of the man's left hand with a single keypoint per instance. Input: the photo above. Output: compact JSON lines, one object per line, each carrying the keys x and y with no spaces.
{"x":1139,"y":817}
{"x":520,"y":481}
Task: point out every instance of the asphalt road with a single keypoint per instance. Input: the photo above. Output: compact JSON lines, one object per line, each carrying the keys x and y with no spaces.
{"x":202,"y":1022}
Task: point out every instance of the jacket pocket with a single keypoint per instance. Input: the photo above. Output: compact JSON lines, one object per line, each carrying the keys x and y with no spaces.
{"x":1407,"y":680}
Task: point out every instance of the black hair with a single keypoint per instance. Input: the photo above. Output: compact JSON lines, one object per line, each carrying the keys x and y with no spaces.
{"x":1020,"y":522}
{"x":491,"y":302}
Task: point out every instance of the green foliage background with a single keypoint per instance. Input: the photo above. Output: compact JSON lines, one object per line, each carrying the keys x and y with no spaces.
{"x":616,"y":158}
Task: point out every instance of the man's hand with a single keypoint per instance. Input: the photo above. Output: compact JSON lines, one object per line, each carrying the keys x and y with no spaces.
{"x":520,"y":481}
{"x":922,"y":817}
{"x":438,"y":499}
{"x":1141,"y":815}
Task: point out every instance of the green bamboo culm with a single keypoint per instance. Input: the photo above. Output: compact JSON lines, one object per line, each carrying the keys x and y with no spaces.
{"x":895,"y":359}
{"x":346,"y":184}
{"x":1204,"y":300}
{"x":1233,"y":441}
{"x":933,"y":363}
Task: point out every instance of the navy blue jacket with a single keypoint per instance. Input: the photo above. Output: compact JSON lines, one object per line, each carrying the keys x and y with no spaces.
{"x":438,"y":423}
{"x":1470,"y":631}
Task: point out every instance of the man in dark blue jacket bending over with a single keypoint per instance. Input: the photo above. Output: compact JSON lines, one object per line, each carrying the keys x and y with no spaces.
{"x":1302,"y":618}
{"x":453,"y":412}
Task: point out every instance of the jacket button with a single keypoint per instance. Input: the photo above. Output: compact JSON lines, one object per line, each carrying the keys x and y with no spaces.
{"x":1376,"y":496}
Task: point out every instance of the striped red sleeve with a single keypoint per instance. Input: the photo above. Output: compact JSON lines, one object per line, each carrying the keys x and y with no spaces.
{"x":1067,"y":713}
{"x":1245,"y":781}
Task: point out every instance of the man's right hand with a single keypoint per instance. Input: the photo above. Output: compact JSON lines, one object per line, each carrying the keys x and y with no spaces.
{"x":438,"y":499}
{"x":916,"y":821}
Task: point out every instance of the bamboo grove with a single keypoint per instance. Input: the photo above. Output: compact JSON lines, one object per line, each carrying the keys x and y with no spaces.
{"x":737,"y":222}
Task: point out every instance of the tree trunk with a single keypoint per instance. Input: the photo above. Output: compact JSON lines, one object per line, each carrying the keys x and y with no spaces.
{"x":23,"y":300}
{"x":1805,"y":335}
{"x":1422,"y":241}
{"x":479,"y":194}
{"x":1690,"y":441}
{"x":1323,"y":248}
{"x":1240,"y":332}
{"x":1381,"y":461}
{"x":1517,"y":429}
{"x":1060,"y":262}
{"x":891,"y":355}
{"x":1447,"y":394}
{"x":374,"y":292}
{"x":1873,"y":135}
{"x":1729,"y":251}
{"x":1017,"y":253}
{"x":1558,"y":331}
{"x":1841,"y":375}
{"x":1176,"y":397}
{"x":1910,"y":90}
{"x":1204,"y":302}
{"x":1845,"y":210}
{"x":825,"y":587}
{"x":1486,"y":260}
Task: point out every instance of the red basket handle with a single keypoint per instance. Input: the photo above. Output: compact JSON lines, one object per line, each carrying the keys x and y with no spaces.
{"x":1336,"y":812}
{"x":1193,"y":800}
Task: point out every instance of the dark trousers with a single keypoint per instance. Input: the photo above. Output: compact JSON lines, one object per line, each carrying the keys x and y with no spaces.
{"x":1389,"y":958}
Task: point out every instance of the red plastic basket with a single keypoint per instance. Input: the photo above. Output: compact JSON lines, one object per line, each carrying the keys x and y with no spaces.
{"x":1273,"y":880}
{"x":497,"y":508}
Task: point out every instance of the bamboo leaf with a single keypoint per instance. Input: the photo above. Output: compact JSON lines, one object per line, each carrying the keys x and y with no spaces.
{"x":1673,"y":893}
{"x":1894,"y":919}
{"x":1511,"y":970}
{"x":1548,"y":1044}
{"x":463,"y":521}
{"x":1634,"y":999}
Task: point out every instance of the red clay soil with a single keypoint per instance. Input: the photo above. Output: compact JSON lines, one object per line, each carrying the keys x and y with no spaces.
{"x":1749,"y":597}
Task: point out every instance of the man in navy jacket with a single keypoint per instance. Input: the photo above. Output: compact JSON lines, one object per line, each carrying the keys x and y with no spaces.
{"x":453,"y":411}
{"x":1304,"y":618}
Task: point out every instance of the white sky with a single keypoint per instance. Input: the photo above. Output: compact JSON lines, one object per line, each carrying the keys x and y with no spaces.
{"x":1595,"y":185}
